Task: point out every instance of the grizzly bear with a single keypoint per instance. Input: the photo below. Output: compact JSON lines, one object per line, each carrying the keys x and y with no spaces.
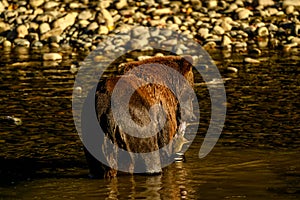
{"x":155,"y":102}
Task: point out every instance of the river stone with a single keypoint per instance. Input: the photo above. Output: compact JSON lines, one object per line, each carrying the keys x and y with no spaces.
{"x":54,"y":45}
{"x":44,"y":28}
{"x":55,"y":39}
{"x":36,"y":3}
{"x":21,"y":42}
{"x":231,"y":8}
{"x":211,"y":4}
{"x":244,"y":13}
{"x":166,"y":32}
{"x":83,"y":23}
{"x":2,"y":7}
{"x":273,"y":28}
{"x":108,"y":19}
{"x":103,"y":30}
{"x":204,"y":32}
{"x":296,"y":40}
{"x":251,"y":60}
{"x":44,"y":18}
{"x":295,"y":3}
{"x":196,"y":4}
{"x":6,"y":43}
{"x":22,"y":31}
{"x":263,"y":3}
{"x":121,"y":4}
{"x":171,"y":42}
{"x":36,"y":44}
{"x":263,"y":31}
{"x":288,"y":47}
{"x":256,"y":51}
{"x":2,"y":39}
{"x":232,"y":69}
{"x":162,"y":11}
{"x":177,"y":20}
{"x":104,"y":4}
{"x":4,"y":27}
{"x":65,"y":21}
{"x":85,"y":15}
{"x":74,"y":5}
{"x":93,"y":26}
{"x":33,"y":36}
{"x":138,"y":43}
{"x":226,"y":24}
{"x":140,"y":32}
{"x":50,"y":5}
{"x":226,"y":41}
{"x":52,"y":32}
{"x":218,"y":30}
{"x":289,"y":10}
{"x":272,"y":11}
{"x":52,"y":56}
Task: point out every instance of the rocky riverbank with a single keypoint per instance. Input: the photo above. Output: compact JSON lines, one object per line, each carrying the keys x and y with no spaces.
{"x":237,"y":25}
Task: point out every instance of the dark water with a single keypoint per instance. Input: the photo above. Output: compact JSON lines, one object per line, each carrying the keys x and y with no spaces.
{"x":257,"y":156}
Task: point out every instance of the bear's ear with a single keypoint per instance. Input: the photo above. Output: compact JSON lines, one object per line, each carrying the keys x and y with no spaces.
{"x":188,"y":58}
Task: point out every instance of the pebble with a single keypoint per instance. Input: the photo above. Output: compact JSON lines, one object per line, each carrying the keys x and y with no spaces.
{"x":204,"y":33}
{"x":177,"y":20}
{"x":121,"y":4}
{"x":273,"y":28}
{"x":244,"y":13}
{"x":289,"y":9}
{"x":162,"y":11}
{"x":50,"y":5}
{"x":6,"y":44}
{"x":226,"y":41}
{"x":251,"y":60}
{"x":36,"y":44}
{"x":64,"y":22}
{"x":240,"y":24}
{"x":2,"y":39}
{"x":36,"y":3}
{"x":263,"y":3}
{"x":255,"y":51}
{"x":103,"y":30}
{"x":232,"y":69}
{"x":52,"y":56}
{"x":2,"y":7}
{"x":22,"y":31}
{"x":44,"y":27}
{"x":295,"y":3}
{"x":219,"y":30}
{"x":108,"y":19}
{"x":288,"y":47}
{"x":22,"y":42}
{"x":263,"y":32}
{"x":211,"y":4}
{"x":33,"y":36}
{"x":93,"y":26}
{"x":296,"y":40}
{"x":85,"y":15}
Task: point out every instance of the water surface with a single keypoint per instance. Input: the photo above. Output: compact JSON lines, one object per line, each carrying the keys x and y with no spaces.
{"x":257,"y":156}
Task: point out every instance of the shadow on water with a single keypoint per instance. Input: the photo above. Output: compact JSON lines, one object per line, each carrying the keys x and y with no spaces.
{"x":257,"y":156}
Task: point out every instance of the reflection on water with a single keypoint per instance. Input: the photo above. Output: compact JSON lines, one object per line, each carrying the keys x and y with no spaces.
{"x":227,"y":173}
{"x":255,"y":158}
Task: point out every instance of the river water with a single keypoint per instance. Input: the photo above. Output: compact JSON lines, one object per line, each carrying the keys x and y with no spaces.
{"x":256,"y":157}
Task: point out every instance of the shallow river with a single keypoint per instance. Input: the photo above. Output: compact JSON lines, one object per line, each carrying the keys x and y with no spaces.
{"x":257,"y":156}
